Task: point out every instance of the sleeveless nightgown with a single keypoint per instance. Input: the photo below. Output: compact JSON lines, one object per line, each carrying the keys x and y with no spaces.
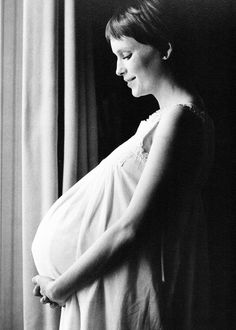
{"x":128,"y":295}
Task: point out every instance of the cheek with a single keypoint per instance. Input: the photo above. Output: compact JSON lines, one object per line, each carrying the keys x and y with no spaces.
{"x":142,"y":71}
{"x":150,"y":64}
{"x":146,"y":62}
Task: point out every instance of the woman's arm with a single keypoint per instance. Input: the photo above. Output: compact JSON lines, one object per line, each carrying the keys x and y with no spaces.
{"x":178,"y":128}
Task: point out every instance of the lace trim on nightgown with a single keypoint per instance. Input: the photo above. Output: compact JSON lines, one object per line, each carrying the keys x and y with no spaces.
{"x":140,"y":152}
{"x":195,"y":109}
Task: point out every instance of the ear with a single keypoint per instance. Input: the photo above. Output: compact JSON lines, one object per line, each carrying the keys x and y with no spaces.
{"x":168,"y":52}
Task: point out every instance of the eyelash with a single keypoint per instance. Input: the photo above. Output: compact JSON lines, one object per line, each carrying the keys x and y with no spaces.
{"x":127,"y":57}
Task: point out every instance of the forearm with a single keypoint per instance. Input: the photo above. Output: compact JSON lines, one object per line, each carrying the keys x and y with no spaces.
{"x":174,"y":133}
{"x":93,"y":262}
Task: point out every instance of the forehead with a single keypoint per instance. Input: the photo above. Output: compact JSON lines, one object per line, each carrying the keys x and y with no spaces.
{"x":124,"y":44}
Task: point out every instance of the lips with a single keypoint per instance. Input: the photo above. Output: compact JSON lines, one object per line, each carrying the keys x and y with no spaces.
{"x":129,"y":81}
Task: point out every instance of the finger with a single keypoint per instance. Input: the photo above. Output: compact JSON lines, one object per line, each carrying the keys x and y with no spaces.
{"x":35,"y":279}
{"x":47,"y":300}
{"x":44,"y":300}
{"x":41,"y":292}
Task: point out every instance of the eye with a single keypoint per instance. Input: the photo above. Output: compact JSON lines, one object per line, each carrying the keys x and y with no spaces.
{"x":127,"y":57}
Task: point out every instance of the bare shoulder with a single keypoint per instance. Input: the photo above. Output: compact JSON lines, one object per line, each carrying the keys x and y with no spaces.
{"x":181,"y":121}
{"x":179,"y":143}
{"x":181,"y":112}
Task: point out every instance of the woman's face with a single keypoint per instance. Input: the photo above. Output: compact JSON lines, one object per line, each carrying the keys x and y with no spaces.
{"x":140,"y":65}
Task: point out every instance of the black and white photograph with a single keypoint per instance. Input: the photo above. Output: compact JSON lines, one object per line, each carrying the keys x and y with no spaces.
{"x":117,"y":131}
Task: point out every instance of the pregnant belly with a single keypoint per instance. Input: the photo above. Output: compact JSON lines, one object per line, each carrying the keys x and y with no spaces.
{"x":54,"y":248}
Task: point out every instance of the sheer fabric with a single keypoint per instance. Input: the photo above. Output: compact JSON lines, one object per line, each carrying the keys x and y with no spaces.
{"x":129,"y":295}
{"x":59,"y":122}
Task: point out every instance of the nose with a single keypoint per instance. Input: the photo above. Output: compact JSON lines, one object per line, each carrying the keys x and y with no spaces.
{"x":120,"y":69}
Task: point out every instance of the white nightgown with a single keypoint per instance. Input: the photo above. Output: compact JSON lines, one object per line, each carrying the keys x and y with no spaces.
{"x":128,"y":295}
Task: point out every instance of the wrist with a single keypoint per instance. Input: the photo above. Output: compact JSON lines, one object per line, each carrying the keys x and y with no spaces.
{"x":58,"y":292}
{"x":52,"y":291}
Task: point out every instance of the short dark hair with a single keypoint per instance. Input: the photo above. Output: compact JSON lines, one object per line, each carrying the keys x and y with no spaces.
{"x":156,"y":23}
{"x":141,"y":20}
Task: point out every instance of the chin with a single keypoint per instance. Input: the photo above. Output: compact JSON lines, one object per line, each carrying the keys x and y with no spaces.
{"x":136,"y":93}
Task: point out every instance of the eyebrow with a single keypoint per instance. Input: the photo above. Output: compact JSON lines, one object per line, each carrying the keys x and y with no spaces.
{"x":123,"y":50}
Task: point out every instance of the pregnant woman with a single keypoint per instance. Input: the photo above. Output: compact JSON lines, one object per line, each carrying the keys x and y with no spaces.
{"x":125,"y":247}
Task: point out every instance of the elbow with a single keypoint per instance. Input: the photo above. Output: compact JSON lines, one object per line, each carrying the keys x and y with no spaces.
{"x":130,"y":226}
{"x":130,"y":234}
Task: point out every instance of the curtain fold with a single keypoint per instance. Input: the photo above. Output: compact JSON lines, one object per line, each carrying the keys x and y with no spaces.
{"x":10,"y":166}
{"x":80,"y":138}
{"x":59,"y":140}
{"x":39,"y":140}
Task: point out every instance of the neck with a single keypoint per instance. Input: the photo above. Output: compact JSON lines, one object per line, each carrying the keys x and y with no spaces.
{"x":170,"y":93}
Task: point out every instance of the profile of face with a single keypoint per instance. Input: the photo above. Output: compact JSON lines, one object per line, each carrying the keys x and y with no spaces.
{"x":140,"y":65}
